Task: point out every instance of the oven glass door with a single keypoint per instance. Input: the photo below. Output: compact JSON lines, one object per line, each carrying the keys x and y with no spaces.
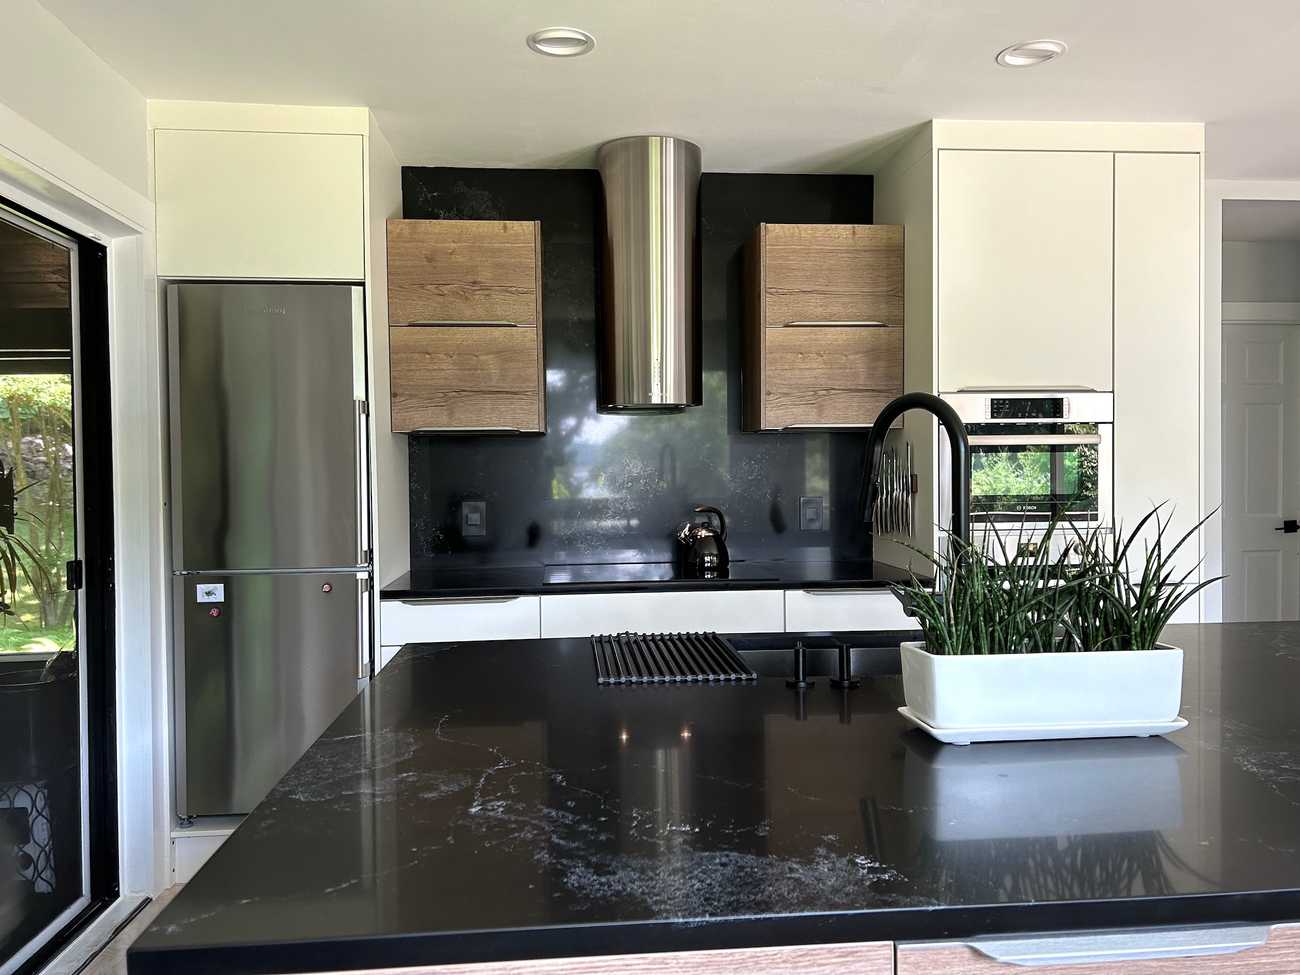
{"x":1034,"y":472}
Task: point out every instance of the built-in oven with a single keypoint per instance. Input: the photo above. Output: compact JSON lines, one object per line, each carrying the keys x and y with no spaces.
{"x":1038,"y":456}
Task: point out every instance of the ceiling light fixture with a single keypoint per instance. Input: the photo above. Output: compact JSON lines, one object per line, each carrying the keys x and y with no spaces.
{"x":1030,"y":54}
{"x":561,"y":42}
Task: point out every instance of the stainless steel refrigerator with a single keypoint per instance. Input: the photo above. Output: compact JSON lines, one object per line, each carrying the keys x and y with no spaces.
{"x":270,"y":535}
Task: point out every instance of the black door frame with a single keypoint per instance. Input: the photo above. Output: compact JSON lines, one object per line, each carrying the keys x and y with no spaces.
{"x":97,"y":649}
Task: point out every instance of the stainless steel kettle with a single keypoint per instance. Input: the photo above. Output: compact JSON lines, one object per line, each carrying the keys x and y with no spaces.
{"x":702,"y":548}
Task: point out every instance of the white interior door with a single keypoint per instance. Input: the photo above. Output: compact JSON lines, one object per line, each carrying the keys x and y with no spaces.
{"x":1261,"y":459}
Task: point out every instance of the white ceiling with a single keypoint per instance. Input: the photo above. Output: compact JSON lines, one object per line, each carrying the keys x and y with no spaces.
{"x":762,"y":85}
{"x":1261,"y":220}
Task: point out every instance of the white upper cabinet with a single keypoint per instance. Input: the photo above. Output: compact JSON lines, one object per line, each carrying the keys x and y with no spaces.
{"x":234,"y":204}
{"x":1157,"y":339}
{"x":1025,"y":258}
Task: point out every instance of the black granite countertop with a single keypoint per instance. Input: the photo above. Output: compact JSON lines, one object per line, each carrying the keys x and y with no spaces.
{"x":489,"y":801}
{"x":466,"y":581}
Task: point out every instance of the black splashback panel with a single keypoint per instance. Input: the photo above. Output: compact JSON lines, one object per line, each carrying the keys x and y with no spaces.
{"x":611,"y":488}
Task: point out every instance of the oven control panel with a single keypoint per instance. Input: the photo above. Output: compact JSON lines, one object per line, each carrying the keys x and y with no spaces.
{"x":1028,"y":408}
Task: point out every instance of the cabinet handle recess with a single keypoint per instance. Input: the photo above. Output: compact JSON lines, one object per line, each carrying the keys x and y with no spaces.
{"x":469,"y":430}
{"x":826,"y":426}
{"x":489,"y":323}
{"x":1027,"y":389}
{"x":843,"y":591}
{"x":857,"y":323}
{"x":1101,"y":947}
{"x":453,"y":600}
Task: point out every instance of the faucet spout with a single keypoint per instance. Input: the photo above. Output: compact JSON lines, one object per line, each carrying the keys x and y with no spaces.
{"x":960,"y":452}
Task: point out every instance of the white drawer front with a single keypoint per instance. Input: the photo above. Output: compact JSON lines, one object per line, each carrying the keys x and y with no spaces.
{"x":447,"y":620}
{"x":385,"y":655}
{"x":838,"y":609}
{"x":583,"y":614}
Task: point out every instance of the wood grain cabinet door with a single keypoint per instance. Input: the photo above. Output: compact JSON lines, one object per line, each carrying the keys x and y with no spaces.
{"x":1279,"y":955}
{"x":454,"y":272}
{"x":830,"y":376}
{"x":472,"y":377}
{"x":823,"y":324}
{"x":841,"y":273}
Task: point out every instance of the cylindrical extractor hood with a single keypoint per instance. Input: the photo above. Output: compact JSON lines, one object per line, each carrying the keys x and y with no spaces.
{"x":650,"y":359}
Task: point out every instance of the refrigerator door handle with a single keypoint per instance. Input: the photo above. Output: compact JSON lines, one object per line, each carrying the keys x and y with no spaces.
{"x":361,"y":430}
{"x":361,"y":418}
{"x":364,"y":596}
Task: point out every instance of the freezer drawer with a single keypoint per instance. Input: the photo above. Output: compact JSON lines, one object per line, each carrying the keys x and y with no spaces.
{"x":445,"y":620}
{"x":844,"y":609}
{"x":582,"y":614}
{"x":264,"y":664}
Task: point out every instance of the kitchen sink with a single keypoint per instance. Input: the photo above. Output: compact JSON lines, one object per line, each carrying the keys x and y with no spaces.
{"x":873,"y":654}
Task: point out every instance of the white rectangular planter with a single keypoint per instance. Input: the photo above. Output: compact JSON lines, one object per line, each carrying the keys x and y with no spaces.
{"x":1027,"y":689}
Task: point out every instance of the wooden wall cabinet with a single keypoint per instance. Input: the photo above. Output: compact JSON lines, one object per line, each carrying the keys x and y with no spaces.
{"x":465,"y":326}
{"x":824,"y":324}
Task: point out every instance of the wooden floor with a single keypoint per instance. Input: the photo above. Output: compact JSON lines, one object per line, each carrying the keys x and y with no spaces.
{"x":112,"y":960}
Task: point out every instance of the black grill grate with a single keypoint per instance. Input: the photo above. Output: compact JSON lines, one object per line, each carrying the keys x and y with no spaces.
{"x":666,"y":658}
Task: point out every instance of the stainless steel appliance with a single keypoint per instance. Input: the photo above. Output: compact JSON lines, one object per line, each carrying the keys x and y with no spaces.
{"x":270,"y":535}
{"x":651,"y":348}
{"x":1038,"y":455}
{"x":702,"y":548}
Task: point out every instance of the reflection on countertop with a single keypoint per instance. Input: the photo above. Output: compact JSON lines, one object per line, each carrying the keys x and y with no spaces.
{"x":462,"y":581}
{"x":489,"y":801}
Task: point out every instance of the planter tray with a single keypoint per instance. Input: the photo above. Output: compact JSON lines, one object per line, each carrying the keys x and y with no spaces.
{"x":1036,"y":732}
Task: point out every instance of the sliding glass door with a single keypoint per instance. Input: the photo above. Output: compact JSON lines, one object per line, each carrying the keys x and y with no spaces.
{"x":44,"y":776}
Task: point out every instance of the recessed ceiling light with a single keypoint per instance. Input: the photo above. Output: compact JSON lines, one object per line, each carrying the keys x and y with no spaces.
{"x":1029,"y":54}
{"x":561,"y":42}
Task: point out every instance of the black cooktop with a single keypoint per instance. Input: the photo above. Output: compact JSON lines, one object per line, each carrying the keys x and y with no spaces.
{"x":645,"y":572}
{"x":460,"y":578}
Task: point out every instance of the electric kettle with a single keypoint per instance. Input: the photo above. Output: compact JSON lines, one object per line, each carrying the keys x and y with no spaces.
{"x":702,"y":548}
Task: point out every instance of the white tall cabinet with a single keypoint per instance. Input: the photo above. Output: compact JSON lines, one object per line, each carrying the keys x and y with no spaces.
{"x":1158,"y":340}
{"x":1025,"y":269}
{"x":295,"y":193}
{"x":1059,"y":255}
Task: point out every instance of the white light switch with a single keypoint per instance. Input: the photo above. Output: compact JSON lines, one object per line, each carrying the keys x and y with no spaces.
{"x":210,"y":592}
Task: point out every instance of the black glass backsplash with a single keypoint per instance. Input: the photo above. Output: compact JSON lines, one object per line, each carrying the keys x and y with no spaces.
{"x":600,"y":488}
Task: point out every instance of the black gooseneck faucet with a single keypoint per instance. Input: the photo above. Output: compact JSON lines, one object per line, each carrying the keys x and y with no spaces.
{"x":957,"y":440}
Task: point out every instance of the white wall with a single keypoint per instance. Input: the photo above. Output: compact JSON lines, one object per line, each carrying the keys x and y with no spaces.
{"x":48,"y":76}
{"x":1261,"y":270}
{"x":905,"y":193}
{"x":1218,"y":192}
{"x":391,"y":505}
{"x":73,"y":149}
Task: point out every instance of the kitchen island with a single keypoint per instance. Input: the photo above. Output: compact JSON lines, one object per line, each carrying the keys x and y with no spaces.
{"x":490,"y":802}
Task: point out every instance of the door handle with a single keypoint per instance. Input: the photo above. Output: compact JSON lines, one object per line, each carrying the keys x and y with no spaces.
{"x":1117,"y":947}
{"x":1290,"y":526}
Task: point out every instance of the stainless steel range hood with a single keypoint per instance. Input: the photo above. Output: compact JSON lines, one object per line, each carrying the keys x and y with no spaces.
{"x":650,"y":360}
